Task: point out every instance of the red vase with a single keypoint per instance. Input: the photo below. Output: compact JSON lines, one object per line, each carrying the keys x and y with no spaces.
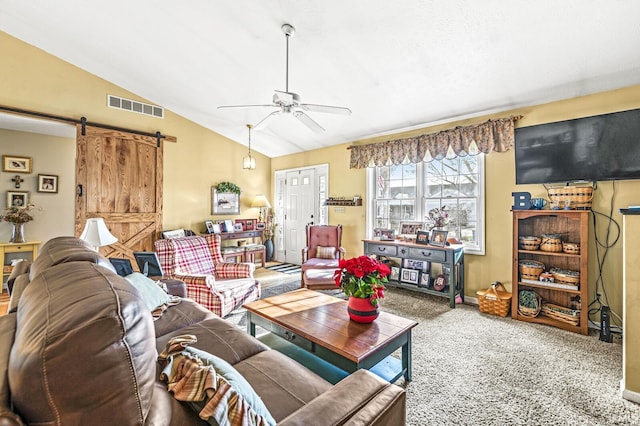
{"x":361,"y":310}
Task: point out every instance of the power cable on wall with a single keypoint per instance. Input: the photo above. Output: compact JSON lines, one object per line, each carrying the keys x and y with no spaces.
{"x":600,"y":293}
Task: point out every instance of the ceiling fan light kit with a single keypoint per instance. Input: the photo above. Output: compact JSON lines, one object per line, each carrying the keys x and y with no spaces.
{"x":288,"y":102}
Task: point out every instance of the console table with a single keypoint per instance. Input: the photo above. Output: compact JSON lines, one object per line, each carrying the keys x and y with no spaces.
{"x":450,"y":257}
{"x":246,"y":253}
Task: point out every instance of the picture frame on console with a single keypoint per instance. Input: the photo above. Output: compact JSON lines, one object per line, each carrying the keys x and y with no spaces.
{"x":410,"y":276}
{"x":438,"y":238}
{"x":410,"y":228}
{"x":395,"y":274}
{"x":425,"y":280}
{"x":384,"y":234}
{"x":422,"y":237}
{"x":209,"y":225}
{"x":261,"y":226}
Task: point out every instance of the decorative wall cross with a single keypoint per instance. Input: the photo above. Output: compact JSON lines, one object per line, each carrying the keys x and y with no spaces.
{"x":17,"y":180}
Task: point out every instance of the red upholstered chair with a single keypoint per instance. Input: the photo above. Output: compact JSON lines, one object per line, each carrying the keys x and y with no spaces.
{"x":323,"y":249}
{"x":219,"y":286}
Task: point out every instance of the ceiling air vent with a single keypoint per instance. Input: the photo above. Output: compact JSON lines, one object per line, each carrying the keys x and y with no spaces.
{"x":134,"y":106}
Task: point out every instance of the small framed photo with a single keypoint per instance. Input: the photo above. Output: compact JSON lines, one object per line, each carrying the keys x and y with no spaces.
{"x":250,"y":224}
{"x":410,"y":276}
{"x":17,"y":198}
{"x":383,"y":234}
{"x":261,"y":226}
{"x":438,"y":238}
{"x":237,"y":227}
{"x":240,"y":222}
{"x":395,"y":273}
{"x":47,"y":183}
{"x":209,"y":225}
{"x":422,"y":237}
{"x":410,"y":228}
{"x":16,"y":164}
{"x":425,"y":280}
{"x":421,"y":265}
{"x":228,"y":225}
{"x":440,"y":283}
{"x":224,"y":202}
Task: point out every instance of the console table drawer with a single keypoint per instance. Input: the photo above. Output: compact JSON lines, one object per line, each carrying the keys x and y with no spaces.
{"x":381,"y":249}
{"x":426,"y":254}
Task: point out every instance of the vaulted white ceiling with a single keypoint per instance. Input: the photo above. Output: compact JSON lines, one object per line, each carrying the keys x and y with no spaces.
{"x":396,"y":64}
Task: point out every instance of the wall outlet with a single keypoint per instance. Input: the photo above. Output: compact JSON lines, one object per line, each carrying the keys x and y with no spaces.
{"x":339,"y":210}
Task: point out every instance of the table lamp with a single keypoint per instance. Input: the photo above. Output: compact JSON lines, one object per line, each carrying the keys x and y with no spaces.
{"x":261,"y":202}
{"x":96,"y":233}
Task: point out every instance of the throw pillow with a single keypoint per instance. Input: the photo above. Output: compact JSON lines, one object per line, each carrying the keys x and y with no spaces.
{"x":151,"y":293}
{"x":237,"y":382}
{"x":325,"y":252}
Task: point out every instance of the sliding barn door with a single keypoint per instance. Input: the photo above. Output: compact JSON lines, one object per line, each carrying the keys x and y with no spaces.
{"x":119,"y":178}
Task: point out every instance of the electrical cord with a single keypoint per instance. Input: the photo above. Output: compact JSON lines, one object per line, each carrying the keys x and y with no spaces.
{"x":601,"y":295}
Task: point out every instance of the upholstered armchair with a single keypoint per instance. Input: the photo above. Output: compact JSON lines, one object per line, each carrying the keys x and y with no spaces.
{"x":323,"y":249}
{"x":219,"y":286}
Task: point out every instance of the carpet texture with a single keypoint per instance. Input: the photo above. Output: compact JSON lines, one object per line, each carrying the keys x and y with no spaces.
{"x":476,"y":369}
{"x":287,"y":268}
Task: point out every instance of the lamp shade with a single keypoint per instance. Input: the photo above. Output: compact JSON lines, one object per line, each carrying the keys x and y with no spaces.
{"x":261,"y":201}
{"x":96,"y":233}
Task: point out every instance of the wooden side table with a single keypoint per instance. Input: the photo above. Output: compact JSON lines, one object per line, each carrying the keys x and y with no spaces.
{"x":5,"y":248}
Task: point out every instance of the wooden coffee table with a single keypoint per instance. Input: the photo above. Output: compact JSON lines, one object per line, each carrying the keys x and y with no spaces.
{"x":319,"y":324}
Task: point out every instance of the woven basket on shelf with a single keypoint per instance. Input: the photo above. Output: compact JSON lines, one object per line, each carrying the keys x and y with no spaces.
{"x":564,"y":276}
{"x":573,"y":197}
{"x":530,"y":269}
{"x":529,"y":297}
{"x":529,"y":242}
{"x":495,"y":300}
{"x":571,"y":248}
{"x":551,"y":243}
{"x":560,"y":313}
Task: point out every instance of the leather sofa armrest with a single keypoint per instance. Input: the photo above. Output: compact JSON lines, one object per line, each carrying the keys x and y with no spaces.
{"x":175,"y":287}
{"x":361,"y":398}
{"x":19,"y":269}
{"x":9,"y":418}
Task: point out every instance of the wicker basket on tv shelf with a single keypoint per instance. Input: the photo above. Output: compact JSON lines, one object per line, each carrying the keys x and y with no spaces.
{"x":551,"y":243}
{"x":529,"y":242}
{"x":560,"y":313}
{"x":574,"y":197}
{"x":565,"y":276}
{"x":530,"y":269}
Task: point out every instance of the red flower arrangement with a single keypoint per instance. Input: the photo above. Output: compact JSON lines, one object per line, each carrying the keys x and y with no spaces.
{"x":362,"y":277}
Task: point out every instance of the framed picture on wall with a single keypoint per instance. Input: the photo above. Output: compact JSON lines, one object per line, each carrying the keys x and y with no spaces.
{"x":47,"y":183}
{"x":17,"y":198}
{"x":16,"y":164}
{"x":224,"y":202}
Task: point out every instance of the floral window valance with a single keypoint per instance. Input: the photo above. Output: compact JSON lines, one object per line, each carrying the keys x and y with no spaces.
{"x":493,"y":135}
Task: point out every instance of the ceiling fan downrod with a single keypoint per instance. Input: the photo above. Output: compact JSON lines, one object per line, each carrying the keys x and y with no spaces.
{"x":288,"y":31}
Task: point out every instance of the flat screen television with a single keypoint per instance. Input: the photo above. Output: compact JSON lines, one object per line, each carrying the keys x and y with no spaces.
{"x":602,"y":147}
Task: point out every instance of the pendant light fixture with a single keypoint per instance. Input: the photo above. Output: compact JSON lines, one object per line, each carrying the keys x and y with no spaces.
{"x":248,"y":162}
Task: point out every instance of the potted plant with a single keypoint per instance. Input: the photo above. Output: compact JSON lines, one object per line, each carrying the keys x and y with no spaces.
{"x":17,"y":216}
{"x":362,"y":280}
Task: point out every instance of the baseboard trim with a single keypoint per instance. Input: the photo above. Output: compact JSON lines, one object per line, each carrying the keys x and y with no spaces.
{"x":629,"y":395}
{"x":468,"y":300}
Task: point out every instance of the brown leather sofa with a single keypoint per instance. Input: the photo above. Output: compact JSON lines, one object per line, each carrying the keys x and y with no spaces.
{"x":80,"y":347}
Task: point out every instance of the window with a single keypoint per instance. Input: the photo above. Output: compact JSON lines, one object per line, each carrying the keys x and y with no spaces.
{"x":407,"y":192}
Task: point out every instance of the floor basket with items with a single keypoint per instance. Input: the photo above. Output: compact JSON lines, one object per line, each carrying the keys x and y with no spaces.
{"x":550,"y":250}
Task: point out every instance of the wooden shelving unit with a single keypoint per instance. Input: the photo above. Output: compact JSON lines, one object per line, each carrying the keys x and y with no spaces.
{"x":573,"y":226}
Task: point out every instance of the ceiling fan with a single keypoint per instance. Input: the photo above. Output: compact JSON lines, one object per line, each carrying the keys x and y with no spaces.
{"x":288,"y":102}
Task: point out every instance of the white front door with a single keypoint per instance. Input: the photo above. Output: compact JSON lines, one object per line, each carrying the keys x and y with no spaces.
{"x":299,"y":211}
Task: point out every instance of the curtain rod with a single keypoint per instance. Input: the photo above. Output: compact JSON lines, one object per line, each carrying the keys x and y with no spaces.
{"x":83,"y":121}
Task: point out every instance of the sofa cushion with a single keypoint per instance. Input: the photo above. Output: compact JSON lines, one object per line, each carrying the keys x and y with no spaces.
{"x":83,"y":349}
{"x":179,"y":316}
{"x":7,"y":331}
{"x":283,"y":384}
{"x":220,"y":338}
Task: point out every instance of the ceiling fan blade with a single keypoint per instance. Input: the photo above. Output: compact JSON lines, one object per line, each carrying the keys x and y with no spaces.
{"x":326,"y":108}
{"x":247,"y":106}
{"x":262,"y":123}
{"x":308,"y":121}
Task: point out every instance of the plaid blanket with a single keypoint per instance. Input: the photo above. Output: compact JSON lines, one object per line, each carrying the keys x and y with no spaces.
{"x":191,"y":381}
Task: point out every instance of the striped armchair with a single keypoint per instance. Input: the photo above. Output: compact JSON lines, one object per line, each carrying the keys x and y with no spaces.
{"x":219,"y":286}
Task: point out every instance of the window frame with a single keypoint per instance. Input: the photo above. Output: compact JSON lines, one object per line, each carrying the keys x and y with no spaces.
{"x":478,"y":249}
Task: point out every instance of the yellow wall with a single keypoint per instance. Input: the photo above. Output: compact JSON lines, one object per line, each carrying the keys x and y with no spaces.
{"x":480,"y":271}
{"x":631,"y":338}
{"x":31,"y":79}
